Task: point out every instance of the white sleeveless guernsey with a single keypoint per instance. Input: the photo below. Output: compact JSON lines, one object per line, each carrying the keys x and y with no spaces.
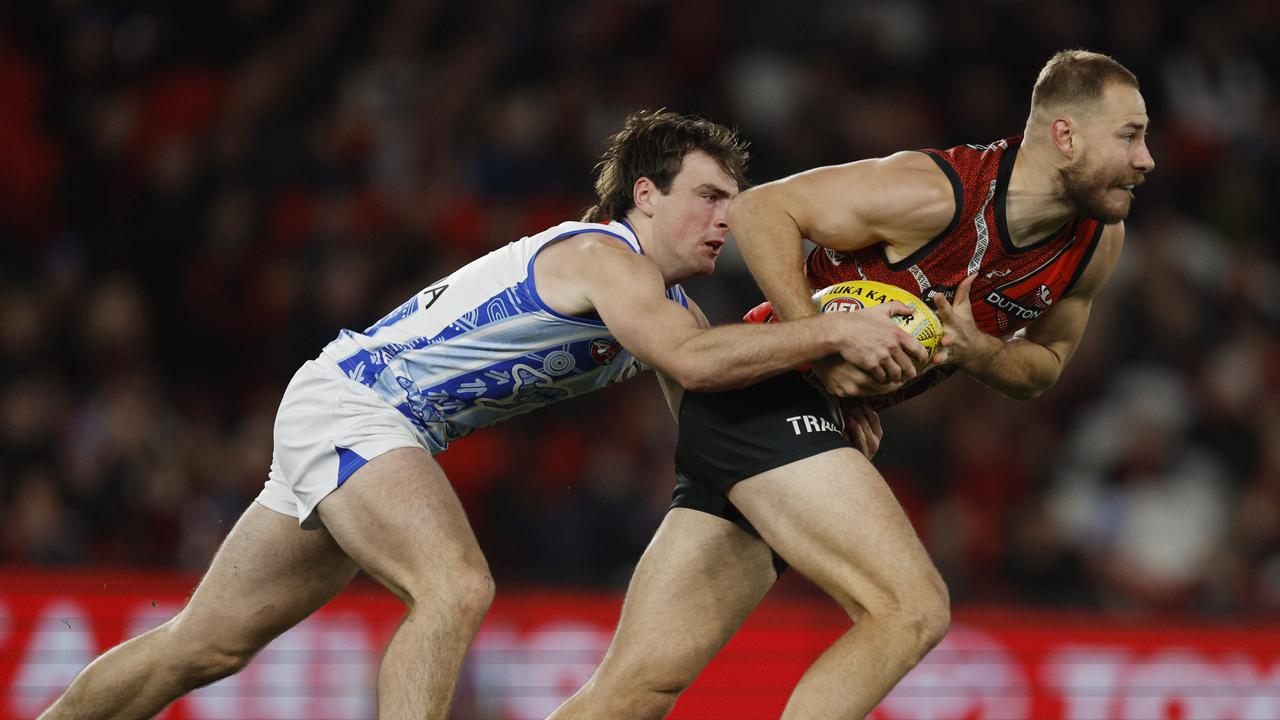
{"x":480,"y":346}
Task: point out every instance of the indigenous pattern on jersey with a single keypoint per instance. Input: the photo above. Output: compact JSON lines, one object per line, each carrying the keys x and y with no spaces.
{"x":480,"y":345}
{"x":1014,"y":285}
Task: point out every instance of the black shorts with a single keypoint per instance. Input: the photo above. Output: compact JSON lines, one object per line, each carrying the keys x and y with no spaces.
{"x":727,"y":437}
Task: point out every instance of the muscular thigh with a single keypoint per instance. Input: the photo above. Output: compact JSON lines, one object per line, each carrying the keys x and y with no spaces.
{"x":267,"y":576}
{"x":399,"y":518}
{"x":833,"y":518}
{"x":695,"y":584}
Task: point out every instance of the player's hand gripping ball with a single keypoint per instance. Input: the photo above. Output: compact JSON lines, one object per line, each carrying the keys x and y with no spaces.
{"x":859,"y":294}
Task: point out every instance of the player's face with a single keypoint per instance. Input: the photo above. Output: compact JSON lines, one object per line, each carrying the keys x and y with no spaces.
{"x":691,"y":216}
{"x":1115,"y":159}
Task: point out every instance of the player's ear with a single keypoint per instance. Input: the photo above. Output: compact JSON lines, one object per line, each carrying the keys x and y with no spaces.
{"x":642,"y":194}
{"x":1063,"y":132}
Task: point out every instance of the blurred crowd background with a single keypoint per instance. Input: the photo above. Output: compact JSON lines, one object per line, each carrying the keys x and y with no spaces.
{"x":195,"y":197}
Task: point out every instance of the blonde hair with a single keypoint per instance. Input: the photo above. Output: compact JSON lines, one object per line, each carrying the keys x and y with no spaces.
{"x":1075,"y":77}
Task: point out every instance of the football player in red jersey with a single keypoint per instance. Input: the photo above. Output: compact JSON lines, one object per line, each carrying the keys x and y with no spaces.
{"x":1012,"y":241}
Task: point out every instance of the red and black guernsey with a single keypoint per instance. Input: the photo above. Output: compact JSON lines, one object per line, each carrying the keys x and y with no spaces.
{"x":1014,"y":285}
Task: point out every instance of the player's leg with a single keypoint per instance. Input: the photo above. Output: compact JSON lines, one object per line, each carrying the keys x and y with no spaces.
{"x":268,"y":575}
{"x":399,"y":518}
{"x":696,"y":582}
{"x":833,"y":518}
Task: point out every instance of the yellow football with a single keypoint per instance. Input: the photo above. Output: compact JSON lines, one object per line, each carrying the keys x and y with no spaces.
{"x":859,"y":294}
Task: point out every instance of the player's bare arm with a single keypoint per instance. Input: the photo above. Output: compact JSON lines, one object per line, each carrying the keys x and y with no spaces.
{"x":597,"y":273}
{"x":671,"y":389}
{"x":902,"y":200}
{"x":1030,"y":362}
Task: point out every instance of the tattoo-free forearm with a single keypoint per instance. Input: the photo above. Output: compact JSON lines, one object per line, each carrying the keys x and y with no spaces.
{"x":733,"y":356}
{"x":1017,"y":367}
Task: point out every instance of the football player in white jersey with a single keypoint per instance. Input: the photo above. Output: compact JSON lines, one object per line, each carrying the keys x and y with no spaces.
{"x":353,"y":484}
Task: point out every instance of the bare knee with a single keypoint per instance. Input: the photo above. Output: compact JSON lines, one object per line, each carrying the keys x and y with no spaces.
{"x":200,"y":658}
{"x":465,"y":592}
{"x":921,"y":614}
{"x":656,"y":702}
{"x":212,"y":663}
{"x":649,"y":695}
{"x":638,"y":692}
{"x":471,"y":594}
{"x":651,"y":702}
{"x":931,"y":619}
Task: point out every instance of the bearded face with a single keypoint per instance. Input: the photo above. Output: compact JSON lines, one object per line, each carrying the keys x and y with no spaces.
{"x":1100,"y":192}
{"x":1114,"y":157}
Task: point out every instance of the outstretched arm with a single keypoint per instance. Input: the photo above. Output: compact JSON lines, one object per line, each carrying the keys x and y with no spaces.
{"x":1029,"y":363}
{"x":628,"y":292}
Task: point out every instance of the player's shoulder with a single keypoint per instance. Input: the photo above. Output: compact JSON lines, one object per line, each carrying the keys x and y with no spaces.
{"x":596,"y":255}
{"x":599,"y":239}
{"x":915,"y":195}
{"x":913,"y":173}
{"x":915,"y":162}
{"x":584,"y":233}
{"x":601,"y":245}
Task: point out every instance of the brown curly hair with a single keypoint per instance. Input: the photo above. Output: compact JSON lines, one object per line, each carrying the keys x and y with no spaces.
{"x":653,"y":144}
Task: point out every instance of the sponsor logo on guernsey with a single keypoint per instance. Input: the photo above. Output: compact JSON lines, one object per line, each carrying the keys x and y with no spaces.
{"x":1028,"y":295}
{"x":1022,"y":308}
{"x":801,"y":424}
{"x":604,"y":350}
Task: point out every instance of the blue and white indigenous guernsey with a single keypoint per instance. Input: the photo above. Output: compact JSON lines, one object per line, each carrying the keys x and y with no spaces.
{"x":481,"y":346}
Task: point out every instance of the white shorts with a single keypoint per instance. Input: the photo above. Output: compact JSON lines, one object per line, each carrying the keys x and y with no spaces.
{"x":328,"y":426}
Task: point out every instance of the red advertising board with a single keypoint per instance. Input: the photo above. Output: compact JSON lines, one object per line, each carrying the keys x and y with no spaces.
{"x":536,"y":648}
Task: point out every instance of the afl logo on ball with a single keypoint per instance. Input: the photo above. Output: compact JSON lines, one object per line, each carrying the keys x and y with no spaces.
{"x":842,"y":303}
{"x":604,"y":350}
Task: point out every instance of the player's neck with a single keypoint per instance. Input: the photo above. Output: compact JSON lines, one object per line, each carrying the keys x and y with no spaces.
{"x":1036,"y":206}
{"x":642,"y":225}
